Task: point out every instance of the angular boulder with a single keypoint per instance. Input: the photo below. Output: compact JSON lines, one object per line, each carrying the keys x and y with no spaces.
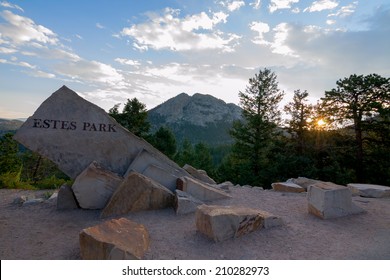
{"x":119,"y":239}
{"x":72,"y":132}
{"x":369,"y":190}
{"x":95,"y":186}
{"x":224,"y":222}
{"x":327,"y":200}
{"x":287,"y":187}
{"x":199,"y":174}
{"x":66,"y":199}
{"x":185,"y":203}
{"x":200,"y":190}
{"x":137,"y":193}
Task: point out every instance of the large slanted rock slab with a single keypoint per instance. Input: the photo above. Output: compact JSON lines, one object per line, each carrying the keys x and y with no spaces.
{"x":199,"y":174}
{"x":200,"y":190}
{"x":224,"y":222}
{"x":137,"y":193}
{"x":72,"y":132}
{"x":327,"y":200}
{"x":148,"y":163}
{"x":369,"y":190}
{"x":95,"y":186}
{"x":161,"y":176}
{"x":287,"y":187}
{"x":185,"y":203}
{"x":120,"y":239}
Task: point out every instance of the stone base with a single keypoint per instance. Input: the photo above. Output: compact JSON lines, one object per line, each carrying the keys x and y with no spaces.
{"x":223,"y":222}
{"x":287,"y":187}
{"x":327,"y":200}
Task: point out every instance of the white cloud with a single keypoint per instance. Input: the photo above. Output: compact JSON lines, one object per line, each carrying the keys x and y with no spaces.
{"x":321,"y":5}
{"x":256,"y":4}
{"x":100,"y":26}
{"x":130,"y":62}
{"x":345,"y":10}
{"x":193,"y":32}
{"x":90,"y":71}
{"x":275,"y":5}
{"x":19,"y":30}
{"x":260,"y":28}
{"x":78,"y":36}
{"x":330,"y":22}
{"x":5,"y":50}
{"x":235,"y":5}
{"x":18,"y":63}
{"x":9,"y":5}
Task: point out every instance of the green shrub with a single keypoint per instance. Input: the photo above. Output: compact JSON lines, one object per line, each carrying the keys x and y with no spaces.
{"x":11,"y":180}
{"x":51,"y":182}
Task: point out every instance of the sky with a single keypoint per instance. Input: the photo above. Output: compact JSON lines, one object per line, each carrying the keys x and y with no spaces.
{"x":109,"y":51}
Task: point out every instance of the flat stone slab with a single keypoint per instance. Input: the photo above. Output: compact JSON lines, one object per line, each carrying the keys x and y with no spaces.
{"x":369,"y":190}
{"x":119,"y":239}
{"x":72,"y":132}
{"x":224,"y":222}
{"x":137,"y":193}
{"x":95,"y":186}
{"x":287,"y":187}
{"x":200,"y":190}
{"x":327,"y":200}
{"x":162,"y":176}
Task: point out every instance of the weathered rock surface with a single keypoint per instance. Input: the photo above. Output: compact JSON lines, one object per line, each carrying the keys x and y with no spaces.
{"x":73,"y":132}
{"x":287,"y":187}
{"x":137,"y":193}
{"x":119,"y":239}
{"x":328,"y":200}
{"x":161,"y":176}
{"x":200,"y":190}
{"x":66,"y":199}
{"x":147,"y":162}
{"x":368,"y":190}
{"x":185,"y":203}
{"x":199,"y":174}
{"x":223,"y":222}
{"x":303,"y":181}
{"x":94,"y":186}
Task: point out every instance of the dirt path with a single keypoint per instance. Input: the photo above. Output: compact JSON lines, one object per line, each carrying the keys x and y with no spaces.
{"x":39,"y":231}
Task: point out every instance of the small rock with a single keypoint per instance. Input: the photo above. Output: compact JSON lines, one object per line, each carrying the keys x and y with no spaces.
{"x":287,"y":187}
{"x":119,"y":239}
{"x":66,"y":198}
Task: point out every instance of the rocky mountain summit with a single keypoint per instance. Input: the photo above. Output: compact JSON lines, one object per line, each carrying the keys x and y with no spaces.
{"x":198,"y":118}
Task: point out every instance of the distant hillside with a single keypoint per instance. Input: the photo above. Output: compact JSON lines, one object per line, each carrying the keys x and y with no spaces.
{"x":198,"y":118}
{"x":9,"y":126}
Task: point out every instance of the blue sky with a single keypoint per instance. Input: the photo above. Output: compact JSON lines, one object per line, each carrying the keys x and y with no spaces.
{"x":109,"y":51}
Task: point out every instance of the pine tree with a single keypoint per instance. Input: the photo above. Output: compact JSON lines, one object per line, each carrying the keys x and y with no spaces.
{"x":254,"y":134}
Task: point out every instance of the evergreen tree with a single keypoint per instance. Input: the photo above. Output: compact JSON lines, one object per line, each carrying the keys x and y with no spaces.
{"x":355,"y":100}
{"x":134,"y":117}
{"x":300,"y":112}
{"x":9,"y":159}
{"x":165,"y":141}
{"x":255,"y":133}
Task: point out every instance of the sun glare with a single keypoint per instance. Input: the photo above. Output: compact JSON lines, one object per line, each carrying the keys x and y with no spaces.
{"x":321,"y":123}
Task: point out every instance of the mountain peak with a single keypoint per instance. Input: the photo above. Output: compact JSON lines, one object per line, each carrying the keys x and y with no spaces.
{"x":202,"y":113}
